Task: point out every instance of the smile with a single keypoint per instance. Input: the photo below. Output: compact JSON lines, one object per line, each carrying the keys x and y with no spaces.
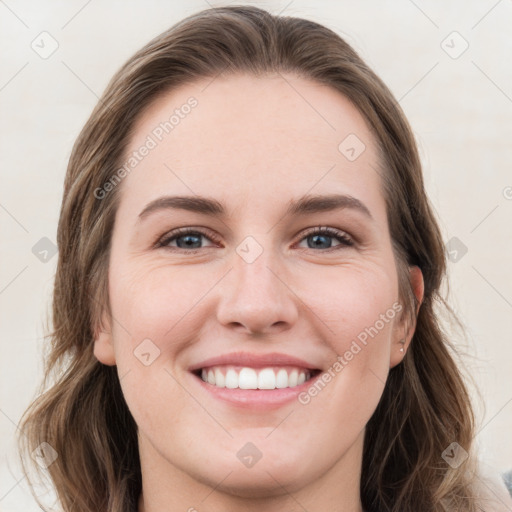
{"x":236,"y":377}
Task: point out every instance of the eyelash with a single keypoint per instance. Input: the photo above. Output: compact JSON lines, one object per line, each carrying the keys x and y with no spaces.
{"x":343,"y":238}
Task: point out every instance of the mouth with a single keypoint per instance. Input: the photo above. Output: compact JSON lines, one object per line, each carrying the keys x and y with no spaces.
{"x":265,"y":378}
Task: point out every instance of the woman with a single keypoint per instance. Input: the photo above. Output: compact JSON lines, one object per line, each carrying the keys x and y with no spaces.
{"x":245,"y":300}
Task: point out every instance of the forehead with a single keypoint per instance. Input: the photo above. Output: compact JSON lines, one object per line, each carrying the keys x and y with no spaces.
{"x":271,"y":137}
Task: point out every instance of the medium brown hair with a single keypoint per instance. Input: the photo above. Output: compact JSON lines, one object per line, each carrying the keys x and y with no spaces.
{"x":82,"y":414}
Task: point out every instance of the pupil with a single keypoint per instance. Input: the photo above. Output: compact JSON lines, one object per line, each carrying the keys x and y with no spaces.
{"x":189,"y":241}
{"x":318,"y":238}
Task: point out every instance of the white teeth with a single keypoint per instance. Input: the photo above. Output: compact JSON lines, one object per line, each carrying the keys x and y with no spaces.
{"x":220,"y":380}
{"x":231,"y":379}
{"x":282,"y":378}
{"x":267,"y":379}
{"x":293,"y":378}
{"x":247,"y":379}
{"x":255,"y":378}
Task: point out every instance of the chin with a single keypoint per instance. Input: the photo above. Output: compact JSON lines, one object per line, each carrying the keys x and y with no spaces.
{"x":257,"y":483}
{"x":265,"y":478}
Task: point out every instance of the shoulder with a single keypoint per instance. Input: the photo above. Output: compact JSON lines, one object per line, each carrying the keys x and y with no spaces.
{"x":492,"y":492}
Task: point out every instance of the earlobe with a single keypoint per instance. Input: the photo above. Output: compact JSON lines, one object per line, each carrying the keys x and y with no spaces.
{"x":103,"y":345}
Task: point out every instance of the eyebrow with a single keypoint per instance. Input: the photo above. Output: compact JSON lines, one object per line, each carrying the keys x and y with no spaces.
{"x":306,"y":205}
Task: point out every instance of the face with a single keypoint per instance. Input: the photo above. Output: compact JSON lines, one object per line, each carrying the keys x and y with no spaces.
{"x":254,"y":323}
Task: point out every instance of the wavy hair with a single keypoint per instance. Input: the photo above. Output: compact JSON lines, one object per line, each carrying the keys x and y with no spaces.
{"x":80,"y":410}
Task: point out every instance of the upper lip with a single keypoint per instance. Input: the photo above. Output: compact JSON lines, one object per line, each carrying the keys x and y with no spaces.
{"x":254,"y":361}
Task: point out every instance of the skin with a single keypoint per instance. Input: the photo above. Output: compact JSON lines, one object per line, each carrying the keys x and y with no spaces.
{"x":253,"y":144}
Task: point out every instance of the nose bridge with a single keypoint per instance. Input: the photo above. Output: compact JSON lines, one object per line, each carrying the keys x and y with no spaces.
{"x":256,"y":276}
{"x":254,"y":294}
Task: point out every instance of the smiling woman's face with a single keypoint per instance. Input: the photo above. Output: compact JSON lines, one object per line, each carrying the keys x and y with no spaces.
{"x":256,"y":279}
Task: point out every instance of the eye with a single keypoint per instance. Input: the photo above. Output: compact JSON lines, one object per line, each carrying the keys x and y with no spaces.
{"x":320,"y":238}
{"x":185,"y":238}
{"x":189,"y":239}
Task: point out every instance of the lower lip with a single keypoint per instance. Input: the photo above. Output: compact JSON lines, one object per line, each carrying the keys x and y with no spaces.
{"x":256,"y":399}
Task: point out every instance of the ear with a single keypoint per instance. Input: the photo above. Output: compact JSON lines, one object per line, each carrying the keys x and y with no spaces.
{"x":418,"y":287}
{"x":403,"y":333}
{"x":103,"y":342}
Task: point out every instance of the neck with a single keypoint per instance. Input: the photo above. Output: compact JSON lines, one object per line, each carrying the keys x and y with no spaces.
{"x":166,"y":488}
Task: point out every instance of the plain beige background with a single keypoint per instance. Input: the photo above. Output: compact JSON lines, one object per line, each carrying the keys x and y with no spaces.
{"x":448,"y":63}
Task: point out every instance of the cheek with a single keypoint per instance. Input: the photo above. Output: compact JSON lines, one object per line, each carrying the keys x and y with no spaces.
{"x":153,"y":311}
{"x":356,"y":304}
{"x":157,"y":301}
{"x":359,"y":310}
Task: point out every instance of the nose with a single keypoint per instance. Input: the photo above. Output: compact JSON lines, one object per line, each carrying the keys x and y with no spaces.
{"x":256,"y":298}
